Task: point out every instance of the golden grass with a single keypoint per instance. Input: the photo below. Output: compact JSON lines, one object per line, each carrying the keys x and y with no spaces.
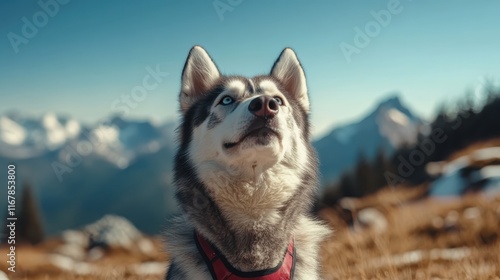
{"x":33,"y":263}
{"x":427,"y":239}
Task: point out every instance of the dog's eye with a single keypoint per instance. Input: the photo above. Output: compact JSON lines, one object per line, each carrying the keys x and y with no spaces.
{"x":278,"y":100}
{"x":226,"y":100}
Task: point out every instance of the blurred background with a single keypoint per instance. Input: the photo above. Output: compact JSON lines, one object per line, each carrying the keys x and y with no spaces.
{"x":405,"y":112}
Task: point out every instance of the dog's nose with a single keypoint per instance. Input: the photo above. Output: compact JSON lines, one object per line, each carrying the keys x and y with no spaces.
{"x":264,"y":106}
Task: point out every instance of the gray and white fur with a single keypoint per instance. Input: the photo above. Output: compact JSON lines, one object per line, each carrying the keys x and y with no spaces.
{"x":245,"y":170}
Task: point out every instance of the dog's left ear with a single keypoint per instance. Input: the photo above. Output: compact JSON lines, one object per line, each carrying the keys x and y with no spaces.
{"x":198,"y":76}
{"x":289,"y":72}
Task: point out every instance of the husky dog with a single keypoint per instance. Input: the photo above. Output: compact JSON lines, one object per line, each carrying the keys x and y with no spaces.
{"x":245,"y":173}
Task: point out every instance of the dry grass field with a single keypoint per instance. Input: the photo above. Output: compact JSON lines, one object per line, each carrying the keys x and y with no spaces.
{"x":41,"y":263}
{"x":422,"y":239}
{"x":397,"y":233}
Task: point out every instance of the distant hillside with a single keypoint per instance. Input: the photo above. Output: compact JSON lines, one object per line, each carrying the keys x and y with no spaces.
{"x":389,"y":126}
{"x":458,"y":153}
{"x":451,"y":131}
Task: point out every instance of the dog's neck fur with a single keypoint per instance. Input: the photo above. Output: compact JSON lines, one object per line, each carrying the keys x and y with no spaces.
{"x":263,"y":212}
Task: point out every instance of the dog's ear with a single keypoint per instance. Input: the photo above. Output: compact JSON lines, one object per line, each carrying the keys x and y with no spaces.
{"x":289,"y":72}
{"x":199,"y":74}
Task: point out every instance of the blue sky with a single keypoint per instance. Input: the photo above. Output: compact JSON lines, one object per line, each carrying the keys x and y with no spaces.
{"x":90,"y":53}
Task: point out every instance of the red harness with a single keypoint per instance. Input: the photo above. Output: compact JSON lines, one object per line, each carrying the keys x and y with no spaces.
{"x":221,"y":269}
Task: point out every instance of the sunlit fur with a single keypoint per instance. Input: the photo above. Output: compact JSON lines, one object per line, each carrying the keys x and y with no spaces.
{"x":247,"y":196}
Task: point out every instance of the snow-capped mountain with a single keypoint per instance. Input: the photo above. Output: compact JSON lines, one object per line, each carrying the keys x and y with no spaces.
{"x":29,"y":137}
{"x":389,"y":126}
{"x":119,"y":166}
{"x":117,"y":140}
{"x":82,"y":172}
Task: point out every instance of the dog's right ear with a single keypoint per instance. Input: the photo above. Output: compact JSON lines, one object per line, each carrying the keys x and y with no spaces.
{"x":199,"y":74}
{"x":289,"y":72}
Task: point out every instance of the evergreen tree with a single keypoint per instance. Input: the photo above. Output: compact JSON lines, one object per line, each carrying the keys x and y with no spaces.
{"x":468,"y":123}
{"x":363,"y":176}
{"x":381,"y":165}
{"x":347,"y":185}
{"x":29,"y":223}
{"x":4,"y":231}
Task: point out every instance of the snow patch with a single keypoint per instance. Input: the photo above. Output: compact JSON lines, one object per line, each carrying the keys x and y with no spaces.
{"x":10,"y":132}
{"x":73,"y":128}
{"x":106,"y":134}
{"x":397,"y":127}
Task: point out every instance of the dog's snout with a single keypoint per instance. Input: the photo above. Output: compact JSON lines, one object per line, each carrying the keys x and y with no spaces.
{"x":264,"y":106}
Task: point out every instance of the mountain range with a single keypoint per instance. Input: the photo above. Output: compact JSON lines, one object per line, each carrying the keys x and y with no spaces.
{"x":120,"y":166}
{"x":388,"y":126}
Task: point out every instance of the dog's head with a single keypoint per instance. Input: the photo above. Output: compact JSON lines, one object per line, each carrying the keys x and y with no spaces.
{"x":244,"y":125}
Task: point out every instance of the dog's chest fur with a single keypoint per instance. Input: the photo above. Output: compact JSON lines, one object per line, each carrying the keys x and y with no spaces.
{"x":308,"y":234}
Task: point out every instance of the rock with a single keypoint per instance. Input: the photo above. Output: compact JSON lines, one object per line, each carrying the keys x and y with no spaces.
{"x":95,"y":254}
{"x":472,"y":213}
{"x":372,"y":218}
{"x":349,"y":203}
{"x":82,"y":268}
{"x":417,"y":256}
{"x":437,"y":222}
{"x":146,"y":247}
{"x":75,"y":237}
{"x":71,"y":250}
{"x":451,"y":219}
{"x":68,"y":264}
{"x":112,"y":231}
{"x":62,"y":262}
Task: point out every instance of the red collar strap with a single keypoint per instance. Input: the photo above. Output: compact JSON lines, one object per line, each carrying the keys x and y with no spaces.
{"x":221,"y":269}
